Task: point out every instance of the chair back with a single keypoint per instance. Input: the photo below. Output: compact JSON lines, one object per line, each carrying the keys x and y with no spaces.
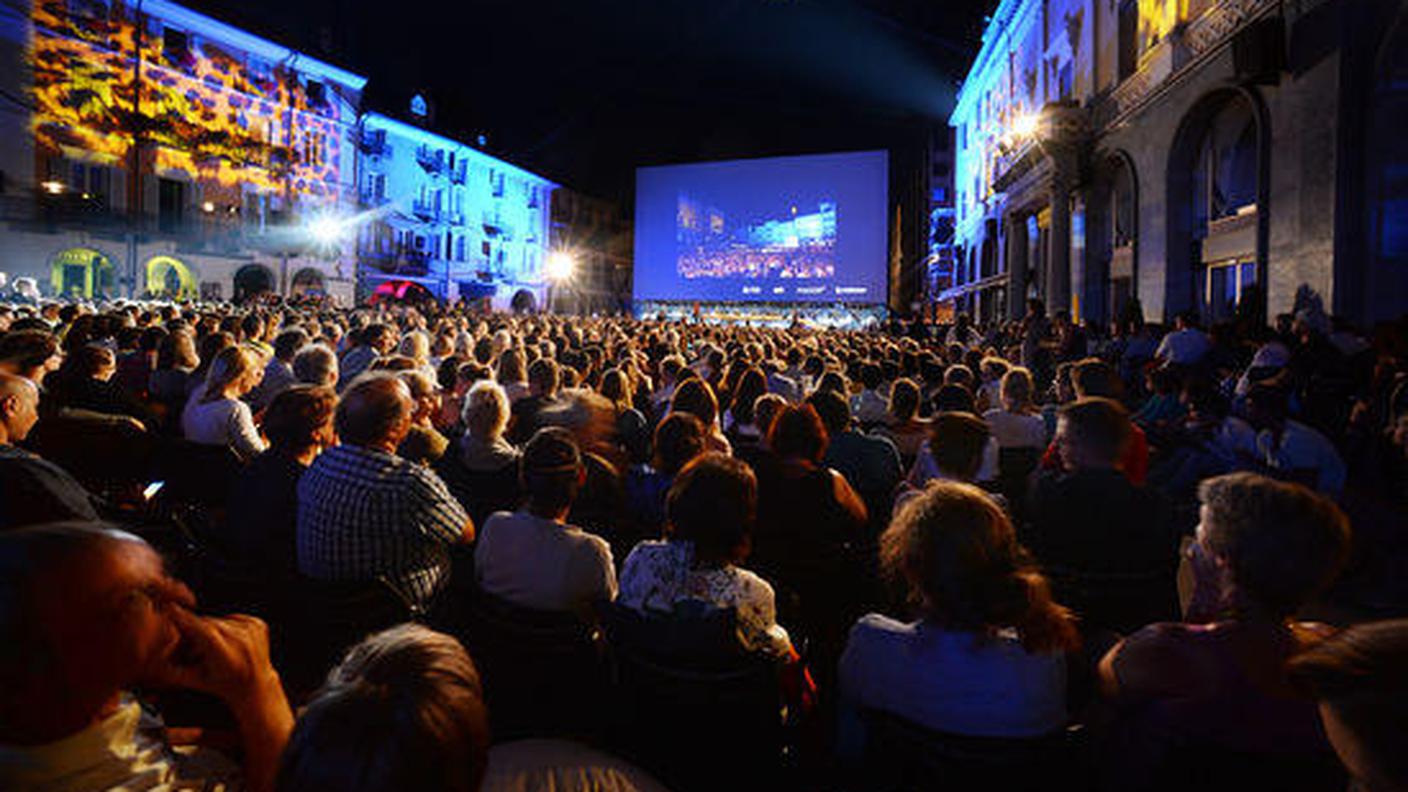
{"x":543,"y":671}
{"x":195,"y":473}
{"x":1122,"y":602}
{"x":687,"y":694}
{"x":902,"y":755}
{"x":322,"y":620}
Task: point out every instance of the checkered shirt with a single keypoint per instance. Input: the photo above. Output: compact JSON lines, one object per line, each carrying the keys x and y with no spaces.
{"x":364,"y":513}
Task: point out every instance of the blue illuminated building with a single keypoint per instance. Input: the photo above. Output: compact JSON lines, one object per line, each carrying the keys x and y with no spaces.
{"x":800,"y":230}
{"x":447,"y":216}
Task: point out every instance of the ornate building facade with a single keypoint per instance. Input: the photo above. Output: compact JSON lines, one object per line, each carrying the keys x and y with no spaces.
{"x":149,"y":149}
{"x":1212,"y":156}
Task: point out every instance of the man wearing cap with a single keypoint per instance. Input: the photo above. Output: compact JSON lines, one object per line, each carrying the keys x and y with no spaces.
{"x":532,"y":558}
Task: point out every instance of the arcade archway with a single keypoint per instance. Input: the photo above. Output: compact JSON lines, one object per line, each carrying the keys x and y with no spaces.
{"x":170,"y":277}
{"x":81,"y":272}
{"x":253,"y":279}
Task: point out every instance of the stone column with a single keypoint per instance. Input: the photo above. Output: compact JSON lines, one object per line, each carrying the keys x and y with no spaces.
{"x":1016,"y":266}
{"x":1058,"y":258}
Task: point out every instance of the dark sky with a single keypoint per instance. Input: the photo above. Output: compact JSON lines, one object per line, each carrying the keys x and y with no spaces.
{"x":583,"y":91}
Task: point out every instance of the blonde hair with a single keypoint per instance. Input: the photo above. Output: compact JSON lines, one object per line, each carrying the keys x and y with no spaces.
{"x":1016,"y":390}
{"x":229,"y":365}
{"x":486,"y":410}
{"x":416,"y":346}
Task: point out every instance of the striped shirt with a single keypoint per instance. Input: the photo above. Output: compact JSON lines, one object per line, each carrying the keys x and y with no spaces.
{"x":364,"y":513}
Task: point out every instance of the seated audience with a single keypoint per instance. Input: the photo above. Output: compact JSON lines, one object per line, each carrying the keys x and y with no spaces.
{"x":32,"y":489}
{"x":1357,"y":677}
{"x":904,"y":427}
{"x":987,"y":654}
{"x":215,"y":414}
{"x":696,"y":397}
{"x":1016,"y":423}
{"x":88,"y":615}
{"x":1289,"y":449}
{"x":712,"y":507}
{"x":488,"y":462}
{"x":678,"y":439}
{"x":315,"y":364}
{"x":870,"y":464}
{"x":85,"y":382}
{"x":262,"y":524}
{"x":364,"y":512}
{"x":544,"y":378}
{"x":532,"y":558}
{"x":1088,"y":522}
{"x":32,"y":354}
{"x":278,"y":372}
{"x":959,"y":441}
{"x":1264,"y":549}
{"x":424,"y":443}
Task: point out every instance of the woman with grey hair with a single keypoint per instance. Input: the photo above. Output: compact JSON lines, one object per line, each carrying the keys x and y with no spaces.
{"x":424,"y":443}
{"x":315,"y":364}
{"x":489,"y":462}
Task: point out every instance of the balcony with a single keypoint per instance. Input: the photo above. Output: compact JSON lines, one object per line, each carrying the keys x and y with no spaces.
{"x":432,"y":160}
{"x":459,"y":174}
{"x":428,"y":211}
{"x":410,"y":263}
{"x":454,"y":218}
{"x":373,"y":143}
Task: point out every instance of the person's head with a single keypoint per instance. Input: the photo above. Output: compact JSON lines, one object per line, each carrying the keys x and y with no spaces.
{"x":375,"y":412}
{"x":992,"y":369}
{"x":552,"y":472}
{"x":1095,"y":377}
{"x":678,"y":439}
{"x":798,"y":433}
{"x":670,"y":368}
{"x":1092,"y":433}
{"x":904,"y":400}
{"x":177,"y":351}
{"x":765,"y":410}
{"x":233,"y":373}
{"x":954,"y":398}
{"x":425,"y":391}
{"x":695,"y":397}
{"x":752,"y":384}
{"x":712,"y":503}
{"x":416,"y":346}
{"x":959,"y":374}
{"x":252,"y":327}
{"x":32,"y":354}
{"x":486,"y":411}
{"x":404,"y":710}
{"x":1036,"y":307}
{"x":84,"y":614}
{"x":1357,"y":677}
{"x":380,"y":337}
{"x":833,"y":410}
{"x":1277,"y":544}
{"x":955,"y":550}
{"x":871,"y":375}
{"x":19,"y":407}
{"x":300,"y":419}
{"x":1018,"y":391}
{"x":956,"y":442}
{"x":315,"y":364}
{"x":91,"y":361}
{"x":287,"y":343}
{"x":511,"y":367}
{"x":544,"y":377}
{"x":616,"y":387}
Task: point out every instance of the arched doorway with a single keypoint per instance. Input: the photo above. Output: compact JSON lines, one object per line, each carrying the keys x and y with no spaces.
{"x":170,"y":277}
{"x":1112,"y":248}
{"x":307,"y":281}
{"x":252,"y":279}
{"x":81,"y":273}
{"x":1216,"y":263}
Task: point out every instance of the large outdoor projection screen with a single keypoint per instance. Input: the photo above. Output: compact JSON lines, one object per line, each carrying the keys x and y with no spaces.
{"x":784,"y":229}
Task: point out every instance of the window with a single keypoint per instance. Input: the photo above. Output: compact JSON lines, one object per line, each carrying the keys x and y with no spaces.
{"x":1128,"y":39}
{"x":171,"y":204}
{"x":317,"y":93}
{"x":176,"y":47}
{"x":1225,"y":284}
{"x":1225,"y":179}
{"x":1065,"y":81}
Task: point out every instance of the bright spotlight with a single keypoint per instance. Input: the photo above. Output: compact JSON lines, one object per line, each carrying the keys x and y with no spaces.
{"x":1026,"y":126}
{"x":560,"y":266}
{"x":325,"y":231}
{"x":52,"y":186}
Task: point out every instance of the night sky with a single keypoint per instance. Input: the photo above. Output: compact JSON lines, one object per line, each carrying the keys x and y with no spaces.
{"x":583,"y":91}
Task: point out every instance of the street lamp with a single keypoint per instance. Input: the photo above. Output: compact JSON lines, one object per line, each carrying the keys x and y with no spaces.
{"x":560,"y":266}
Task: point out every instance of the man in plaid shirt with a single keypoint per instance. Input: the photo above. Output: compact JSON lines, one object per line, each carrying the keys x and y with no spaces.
{"x":364,"y":512}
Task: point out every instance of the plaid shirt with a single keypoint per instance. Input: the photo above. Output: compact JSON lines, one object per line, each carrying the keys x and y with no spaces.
{"x":364,"y":513}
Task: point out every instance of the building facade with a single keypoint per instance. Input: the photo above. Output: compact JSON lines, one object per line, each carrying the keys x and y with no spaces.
{"x":447,"y":216}
{"x":147,"y":149}
{"x":596,"y":234}
{"x":1212,"y":156}
{"x":940,"y":263}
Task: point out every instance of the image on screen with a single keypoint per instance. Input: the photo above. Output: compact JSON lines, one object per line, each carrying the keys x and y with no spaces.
{"x":783,"y":229}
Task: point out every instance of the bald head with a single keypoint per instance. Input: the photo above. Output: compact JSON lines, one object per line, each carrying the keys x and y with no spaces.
{"x":19,"y":408}
{"x":375,"y":412}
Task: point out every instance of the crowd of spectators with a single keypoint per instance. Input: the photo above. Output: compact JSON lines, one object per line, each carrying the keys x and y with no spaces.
{"x":302,"y":548}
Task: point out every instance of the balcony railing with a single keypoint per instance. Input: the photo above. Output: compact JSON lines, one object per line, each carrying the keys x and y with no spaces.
{"x":431,"y":159}
{"x":414,"y":263}
{"x":459,"y":173}
{"x":426,"y":210}
{"x":374,"y":144}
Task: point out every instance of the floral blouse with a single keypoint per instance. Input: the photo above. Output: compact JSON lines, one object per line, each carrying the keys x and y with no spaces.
{"x":658,"y":574}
